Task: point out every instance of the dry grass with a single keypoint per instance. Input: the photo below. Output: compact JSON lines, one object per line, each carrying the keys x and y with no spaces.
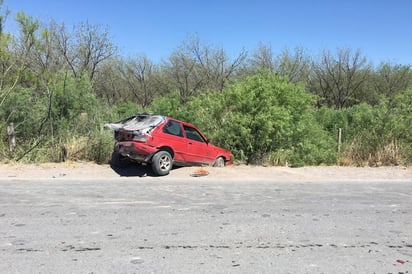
{"x":76,"y":148}
{"x":385,"y":155}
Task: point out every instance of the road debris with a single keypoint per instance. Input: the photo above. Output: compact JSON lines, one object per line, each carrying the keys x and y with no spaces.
{"x":199,"y":173}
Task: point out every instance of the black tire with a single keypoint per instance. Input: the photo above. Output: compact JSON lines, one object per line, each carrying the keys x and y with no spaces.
{"x":220,"y":162}
{"x":162,"y":163}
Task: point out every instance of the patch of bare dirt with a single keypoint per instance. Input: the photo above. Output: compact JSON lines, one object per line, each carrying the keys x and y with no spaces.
{"x":86,"y":170}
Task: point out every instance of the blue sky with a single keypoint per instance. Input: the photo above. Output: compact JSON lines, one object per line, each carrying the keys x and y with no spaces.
{"x":381,"y":29}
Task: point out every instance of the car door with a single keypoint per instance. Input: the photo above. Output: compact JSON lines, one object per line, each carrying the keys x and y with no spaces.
{"x":198,"y":150}
{"x":173,"y":136}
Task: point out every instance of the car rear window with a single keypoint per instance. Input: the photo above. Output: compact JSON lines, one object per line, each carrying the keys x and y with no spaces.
{"x":141,"y":122}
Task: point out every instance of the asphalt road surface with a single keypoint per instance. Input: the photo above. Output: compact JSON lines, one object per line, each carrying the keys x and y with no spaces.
{"x":199,"y":225}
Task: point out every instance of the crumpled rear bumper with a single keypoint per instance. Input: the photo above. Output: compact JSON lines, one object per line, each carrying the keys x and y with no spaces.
{"x":137,"y":151}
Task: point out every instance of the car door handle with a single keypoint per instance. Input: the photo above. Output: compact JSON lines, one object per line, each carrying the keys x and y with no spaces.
{"x":190,"y":143}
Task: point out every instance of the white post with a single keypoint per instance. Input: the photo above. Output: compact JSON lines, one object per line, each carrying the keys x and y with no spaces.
{"x":339,"y":138}
{"x":11,"y":137}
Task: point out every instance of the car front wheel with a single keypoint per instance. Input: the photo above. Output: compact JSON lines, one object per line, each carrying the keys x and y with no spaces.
{"x":162,"y":163}
{"x":220,"y":162}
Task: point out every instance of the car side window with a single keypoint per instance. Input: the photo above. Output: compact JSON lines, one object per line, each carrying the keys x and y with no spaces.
{"x":173,"y":127}
{"x":193,"y":134}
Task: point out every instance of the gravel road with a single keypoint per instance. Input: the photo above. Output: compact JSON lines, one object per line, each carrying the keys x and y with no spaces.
{"x":83,"y":218}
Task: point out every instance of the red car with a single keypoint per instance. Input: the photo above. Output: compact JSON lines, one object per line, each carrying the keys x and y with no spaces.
{"x":163,"y":142}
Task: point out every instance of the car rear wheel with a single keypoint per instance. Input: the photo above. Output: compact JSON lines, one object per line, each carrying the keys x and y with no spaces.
{"x":220,"y":162}
{"x":162,"y":163}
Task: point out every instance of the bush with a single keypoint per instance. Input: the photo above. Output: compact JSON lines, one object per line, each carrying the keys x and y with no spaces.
{"x":168,"y":105}
{"x":400,"y":122}
{"x":263,"y":119}
{"x":43,"y":133}
{"x":125,"y":109}
{"x":372,"y":135}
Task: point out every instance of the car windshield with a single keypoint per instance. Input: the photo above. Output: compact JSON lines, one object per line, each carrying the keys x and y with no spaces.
{"x":137,"y":122}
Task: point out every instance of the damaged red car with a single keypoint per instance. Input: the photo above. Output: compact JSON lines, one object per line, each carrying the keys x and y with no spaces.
{"x":164,"y":142}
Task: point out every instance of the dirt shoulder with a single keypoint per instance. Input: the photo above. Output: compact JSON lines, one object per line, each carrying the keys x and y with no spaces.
{"x":74,"y":170}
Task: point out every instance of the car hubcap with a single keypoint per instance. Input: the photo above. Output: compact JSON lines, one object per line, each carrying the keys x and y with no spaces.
{"x":164,"y":163}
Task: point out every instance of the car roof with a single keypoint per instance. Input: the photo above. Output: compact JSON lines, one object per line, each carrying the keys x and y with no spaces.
{"x":183,"y":122}
{"x":166,"y":118}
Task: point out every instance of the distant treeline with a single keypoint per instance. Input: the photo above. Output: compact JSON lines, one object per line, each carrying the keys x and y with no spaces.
{"x":58,"y":86}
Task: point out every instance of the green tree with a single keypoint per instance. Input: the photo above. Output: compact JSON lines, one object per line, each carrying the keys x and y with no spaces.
{"x":392,"y":79}
{"x":339,"y":80}
{"x":109,"y":83}
{"x":93,"y":46}
{"x":4,"y":12}
{"x":262,"y":58}
{"x":140,"y":76}
{"x":292,"y":64}
{"x":194,"y":68}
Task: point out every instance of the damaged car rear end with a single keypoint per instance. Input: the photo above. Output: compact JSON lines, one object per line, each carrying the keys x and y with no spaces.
{"x":164,"y":142}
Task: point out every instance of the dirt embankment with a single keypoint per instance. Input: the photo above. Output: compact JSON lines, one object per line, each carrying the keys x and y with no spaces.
{"x":72,"y":170}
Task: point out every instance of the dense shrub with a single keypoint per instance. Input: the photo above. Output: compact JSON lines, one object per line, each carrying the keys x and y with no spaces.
{"x":48,"y":119}
{"x":401,"y":124}
{"x":125,"y":109}
{"x":261,"y":119}
{"x":373,"y":135}
{"x":168,"y":105}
